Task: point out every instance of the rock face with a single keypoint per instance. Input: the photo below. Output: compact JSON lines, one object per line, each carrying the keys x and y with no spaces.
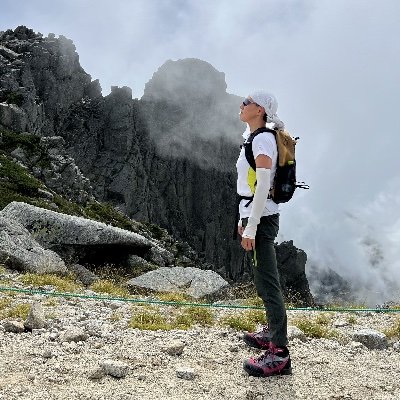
{"x":40,"y":80}
{"x":292,"y":270}
{"x":18,"y":250}
{"x":328,"y":285}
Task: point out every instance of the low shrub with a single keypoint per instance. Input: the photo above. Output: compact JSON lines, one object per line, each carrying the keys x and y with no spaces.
{"x":109,"y":287}
{"x":62,"y":284}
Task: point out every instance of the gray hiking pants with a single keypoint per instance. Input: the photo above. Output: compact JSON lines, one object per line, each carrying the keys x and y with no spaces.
{"x":266,"y":278}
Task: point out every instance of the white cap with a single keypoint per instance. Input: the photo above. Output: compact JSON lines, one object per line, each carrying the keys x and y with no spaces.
{"x":270,"y":104}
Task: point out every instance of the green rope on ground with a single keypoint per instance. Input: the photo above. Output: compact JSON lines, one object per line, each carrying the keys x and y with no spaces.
{"x":188,"y":304}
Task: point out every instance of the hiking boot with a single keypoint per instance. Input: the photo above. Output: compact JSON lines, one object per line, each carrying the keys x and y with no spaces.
{"x":260,"y":339}
{"x":275,"y":361}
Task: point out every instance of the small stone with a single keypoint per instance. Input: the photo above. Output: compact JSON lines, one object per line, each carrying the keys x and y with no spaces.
{"x":14,"y":326}
{"x":53,"y":336}
{"x":117,"y":369}
{"x":396,"y":346}
{"x":340,"y":323}
{"x":36,"y":319}
{"x":73,"y":335}
{"x":234,"y":349}
{"x":47,"y":353}
{"x":174,"y":348}
{"x":97,"y":374}
{"x":294,"y":332}
{"x":186,"y":373}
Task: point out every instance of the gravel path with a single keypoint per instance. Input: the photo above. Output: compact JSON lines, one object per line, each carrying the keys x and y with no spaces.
{"x":201,"y":363}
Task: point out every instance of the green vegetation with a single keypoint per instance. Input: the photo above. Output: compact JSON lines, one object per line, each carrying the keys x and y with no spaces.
{"x":244,"y":321}
{"x":195,"y":315}
{"x":108,"y":214}
{"x":115,"y":316}
{"x":11,"y":97}
{"x":110,"y":288}
{"x":4,"y":303}
{"x":351,"y":306}
{"x":51,"y":302}
{"x":254,"y":301}
{"x":149,"y":320}
{"x":316,"y":327}
{"x":16,"y":184}
{"x":173,"y":297}
{"x":17,"y":311}
{"x":394,"y":330}
{"x":351,"y":319}
{"x":152,"y":318}
{"x":156,"y":231}
{"x":61,"y":284}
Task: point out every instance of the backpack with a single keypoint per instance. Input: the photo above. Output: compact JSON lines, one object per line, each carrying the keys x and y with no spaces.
{"x":285,"y":176}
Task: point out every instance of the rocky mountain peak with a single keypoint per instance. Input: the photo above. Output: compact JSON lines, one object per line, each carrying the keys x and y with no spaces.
{"x":185,"y":79}
{"x":40,"y":79}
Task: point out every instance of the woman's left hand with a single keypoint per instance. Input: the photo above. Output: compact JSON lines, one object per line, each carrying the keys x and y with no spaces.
{"x":248,"y":244}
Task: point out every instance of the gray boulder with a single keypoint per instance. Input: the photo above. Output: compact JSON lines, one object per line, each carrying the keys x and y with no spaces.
{"x":194,"y":282}
{"x":371,"y":338}
{"x":18,"y":250}
{"x":14,"y":326}
{"x":114,"y":368}
{"x":76,"y":237}
{"x":295,"y":333}
{"x":83,"y":274}
{"x":36,"y":318}
{"x":73,"y":335}
{"x":50,"y":228}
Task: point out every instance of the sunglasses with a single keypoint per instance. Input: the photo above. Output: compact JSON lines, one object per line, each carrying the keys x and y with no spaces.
{"x":247,"y":101}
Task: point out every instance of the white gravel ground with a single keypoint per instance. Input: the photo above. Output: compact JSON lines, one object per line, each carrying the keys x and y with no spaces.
{"x":39,"y":365}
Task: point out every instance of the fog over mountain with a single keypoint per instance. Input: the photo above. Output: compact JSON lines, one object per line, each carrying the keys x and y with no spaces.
{"x":334,"y":67}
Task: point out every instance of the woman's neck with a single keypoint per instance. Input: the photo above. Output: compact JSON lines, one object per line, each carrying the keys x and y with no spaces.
{"x":255,"y":125}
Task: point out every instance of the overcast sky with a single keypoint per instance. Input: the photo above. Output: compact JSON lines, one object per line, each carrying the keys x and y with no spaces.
{"x":334,"y":66}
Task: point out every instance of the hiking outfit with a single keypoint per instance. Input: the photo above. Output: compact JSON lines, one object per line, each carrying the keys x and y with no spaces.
{"x":265,"y":226}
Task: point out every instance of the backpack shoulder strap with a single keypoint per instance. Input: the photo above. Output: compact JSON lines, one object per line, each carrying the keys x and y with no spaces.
{"x":248,"y":151}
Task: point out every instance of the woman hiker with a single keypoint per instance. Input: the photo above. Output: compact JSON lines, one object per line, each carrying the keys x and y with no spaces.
{"x":258,"y":228}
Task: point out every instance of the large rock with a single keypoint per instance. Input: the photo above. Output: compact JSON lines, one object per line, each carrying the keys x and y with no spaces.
{"x":55,"y":230}
{"x":81,"y":239}
{"x":18,"y":250}
{"x":292,"y":272}
{"x":191,"y":281}
{"x":36,"y":318}
{"x":371,"y":338}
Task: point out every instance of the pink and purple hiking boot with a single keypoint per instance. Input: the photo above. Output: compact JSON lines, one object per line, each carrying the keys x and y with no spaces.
{"x":275,"y":361}
{"x":260,"y":339}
